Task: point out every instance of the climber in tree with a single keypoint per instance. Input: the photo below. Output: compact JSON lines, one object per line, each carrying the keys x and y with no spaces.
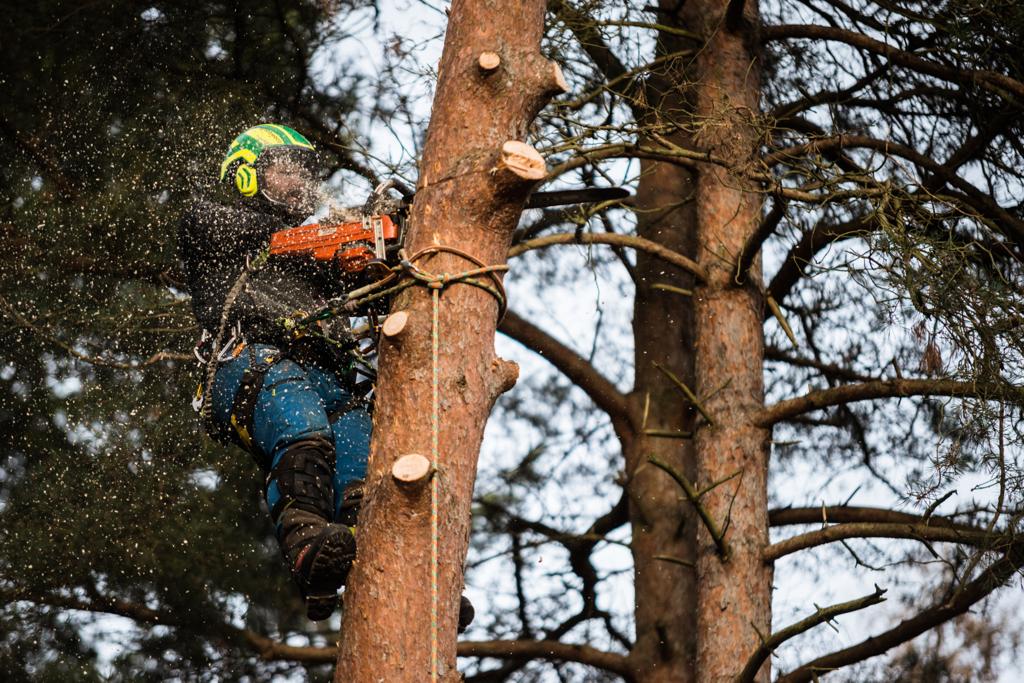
{"x":288,"y":399}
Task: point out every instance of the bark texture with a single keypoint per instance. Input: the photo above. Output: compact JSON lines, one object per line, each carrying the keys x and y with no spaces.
{"x":467,"y":199}
{"x":664,"y":525}
{"x":734,"y":599}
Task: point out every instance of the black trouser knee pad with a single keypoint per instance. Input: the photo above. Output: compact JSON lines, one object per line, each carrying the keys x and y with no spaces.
{"x":305,"y":478}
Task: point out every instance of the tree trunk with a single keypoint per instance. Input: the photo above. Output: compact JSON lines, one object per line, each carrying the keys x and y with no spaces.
{"x":664,"y":525}
{"x":735,"y":585}
{"x":470,"y":195}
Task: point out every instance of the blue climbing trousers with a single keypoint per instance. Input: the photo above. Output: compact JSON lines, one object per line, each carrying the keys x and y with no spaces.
{"x":305,"y":422}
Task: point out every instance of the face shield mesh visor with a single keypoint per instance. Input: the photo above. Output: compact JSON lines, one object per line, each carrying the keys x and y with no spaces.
{"x":290,"y":178}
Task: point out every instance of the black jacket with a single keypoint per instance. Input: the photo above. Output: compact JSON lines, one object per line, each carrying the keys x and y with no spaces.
{"x":213,"y":243}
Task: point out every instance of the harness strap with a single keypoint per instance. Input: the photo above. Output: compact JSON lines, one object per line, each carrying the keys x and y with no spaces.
{"x":248,"y":394}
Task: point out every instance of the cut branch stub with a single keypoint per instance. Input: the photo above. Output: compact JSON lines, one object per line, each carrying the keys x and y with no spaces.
{"x":558,"y":78}
{"x":395,"y":324}
{"x":411,"y":469}
{"x":504,"y":375}
{"x":522,"y":160}
{"x":488,"y":61}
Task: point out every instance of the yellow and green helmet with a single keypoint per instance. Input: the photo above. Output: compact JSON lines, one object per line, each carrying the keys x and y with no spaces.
{"x":246,"y":151}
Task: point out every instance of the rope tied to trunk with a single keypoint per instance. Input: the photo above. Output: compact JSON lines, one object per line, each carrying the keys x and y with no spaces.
{"x":436,"y":283}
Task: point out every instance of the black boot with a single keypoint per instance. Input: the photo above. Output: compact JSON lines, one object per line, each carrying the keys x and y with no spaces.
{"x":320,"y":555}
{"x":318,"y":552}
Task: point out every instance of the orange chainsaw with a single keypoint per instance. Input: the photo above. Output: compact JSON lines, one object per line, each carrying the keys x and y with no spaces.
{"x":375,"y":237}
{"x":378,"y":235}
{"x":352,"y":245}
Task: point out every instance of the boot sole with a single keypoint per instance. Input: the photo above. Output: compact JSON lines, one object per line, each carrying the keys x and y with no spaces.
{"x":327,"y":574}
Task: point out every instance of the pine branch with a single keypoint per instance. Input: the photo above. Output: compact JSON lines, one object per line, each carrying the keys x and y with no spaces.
{"x":1000,"y":84}
{"x":989,"y":580}
{"x":980,"y":201}
{"x":820,"y":616}
{"x":865,"y":391}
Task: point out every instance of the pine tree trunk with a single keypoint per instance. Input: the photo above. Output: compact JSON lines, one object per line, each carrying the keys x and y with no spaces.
{"x":734,"y":587}
{"x":469,"y":196}
{"x":664,"y":527}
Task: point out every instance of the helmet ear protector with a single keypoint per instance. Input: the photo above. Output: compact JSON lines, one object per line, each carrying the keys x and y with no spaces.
{"x":240,"y":167}
{"x":246,"y":179}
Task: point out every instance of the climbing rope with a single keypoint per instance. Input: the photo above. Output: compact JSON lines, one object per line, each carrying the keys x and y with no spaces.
{"x":435,"y":430}
{"x":251,"y":266}
{"x":437,"y":283}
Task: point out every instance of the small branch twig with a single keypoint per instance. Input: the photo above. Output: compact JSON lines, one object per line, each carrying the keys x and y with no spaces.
{"x":668,"y":434}
{"x":674,"y":560}
{"x":694,"y":497}
{"x":690,"y":396}
{"x":935,"y":505}
{"x":675,"y":290}
{"x":773,"y":306}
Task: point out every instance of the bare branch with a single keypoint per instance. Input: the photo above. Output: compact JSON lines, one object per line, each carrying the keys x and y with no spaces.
{"x":820,"y":616}
{"x":802,"y":253}
{"x":753,"y":246}
{"x":548,"y":649}
{"x":919,"y":532}
{"x":828,"y":370}
{"x":989,"y":580}
{"x":864,"y":391}
{"x":584,"y":28}
{"x":844,"y":514}
{"x":615,"y":239}
{"x":601,"y":391}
